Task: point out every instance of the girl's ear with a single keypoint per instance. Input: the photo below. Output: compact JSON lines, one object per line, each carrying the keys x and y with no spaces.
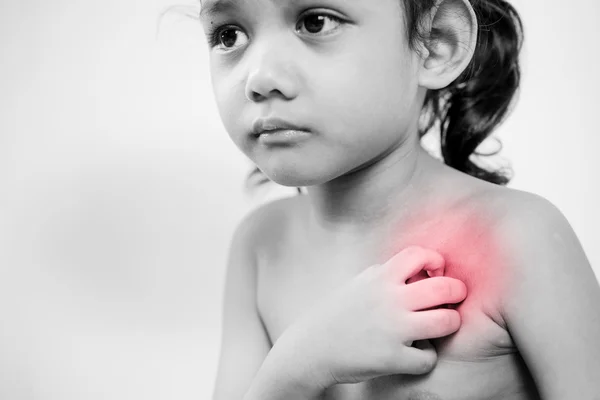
{"x":451,"y":32}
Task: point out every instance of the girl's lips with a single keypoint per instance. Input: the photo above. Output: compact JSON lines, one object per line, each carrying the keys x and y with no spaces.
{"x":282,"y":136}
{"x":271,"y":124}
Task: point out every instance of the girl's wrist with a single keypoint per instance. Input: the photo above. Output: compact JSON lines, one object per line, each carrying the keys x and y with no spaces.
{"x":305,"y":359}
{"x":288,"y":372}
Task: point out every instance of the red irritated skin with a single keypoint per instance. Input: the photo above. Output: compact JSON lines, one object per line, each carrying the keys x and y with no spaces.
{"x":465,"y":238}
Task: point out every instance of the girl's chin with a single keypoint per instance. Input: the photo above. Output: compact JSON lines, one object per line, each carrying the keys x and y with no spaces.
{"x":292,"y":181}
{"x":294,"y":178}
{"x":298,"y":172}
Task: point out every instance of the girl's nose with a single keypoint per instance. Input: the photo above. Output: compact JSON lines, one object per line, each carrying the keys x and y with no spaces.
{"x":272,"y":72}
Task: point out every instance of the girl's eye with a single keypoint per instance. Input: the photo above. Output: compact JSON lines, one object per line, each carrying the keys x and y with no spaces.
{"x":223,"y":35}
{"x":314,"y":23}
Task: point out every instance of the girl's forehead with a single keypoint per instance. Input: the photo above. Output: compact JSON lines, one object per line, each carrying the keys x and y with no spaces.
{"x":210,"y":8}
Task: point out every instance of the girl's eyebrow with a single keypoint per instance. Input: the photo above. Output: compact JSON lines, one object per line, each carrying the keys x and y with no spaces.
{"x":211,"y":8}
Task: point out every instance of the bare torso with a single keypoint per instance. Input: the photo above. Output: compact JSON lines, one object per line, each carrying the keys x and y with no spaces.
{"x":479,"y":362}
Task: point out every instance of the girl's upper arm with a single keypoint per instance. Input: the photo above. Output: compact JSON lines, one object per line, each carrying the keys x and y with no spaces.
{"x":244,"y":341}
{"x":552,"y":304}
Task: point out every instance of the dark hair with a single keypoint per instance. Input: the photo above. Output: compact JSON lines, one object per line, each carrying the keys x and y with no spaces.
{"x":470,"y":108}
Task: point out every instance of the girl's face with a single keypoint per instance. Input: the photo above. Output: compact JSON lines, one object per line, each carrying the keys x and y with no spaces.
{"x":341,"y":69}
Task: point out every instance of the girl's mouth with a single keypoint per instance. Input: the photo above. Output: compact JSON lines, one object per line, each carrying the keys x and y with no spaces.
{"x":282,"y":136}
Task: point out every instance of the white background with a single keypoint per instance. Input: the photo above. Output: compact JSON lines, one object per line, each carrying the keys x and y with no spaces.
{"x":120,"y":189}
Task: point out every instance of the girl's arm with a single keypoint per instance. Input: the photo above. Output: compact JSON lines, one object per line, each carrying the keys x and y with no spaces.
{"x":552,"y":302}
{"x":244,"y":341}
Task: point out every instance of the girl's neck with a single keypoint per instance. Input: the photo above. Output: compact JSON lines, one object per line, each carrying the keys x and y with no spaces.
{"x":366,"y":202}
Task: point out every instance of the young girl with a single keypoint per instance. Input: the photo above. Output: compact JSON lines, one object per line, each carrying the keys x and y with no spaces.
{"x":395,"y":276}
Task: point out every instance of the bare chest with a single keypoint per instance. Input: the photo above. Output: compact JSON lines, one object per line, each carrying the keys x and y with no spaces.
{"x":479,"y":361}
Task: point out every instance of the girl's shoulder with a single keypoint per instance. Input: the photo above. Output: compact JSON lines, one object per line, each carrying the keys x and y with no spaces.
{"x":461,"y":201}
{"x":526,"y":228}
{"x":514,"y":223}
{"x":512,"y":208}
{"x":516,"y":219}
{"x":499,"y":237}
{"x":549,"y":291}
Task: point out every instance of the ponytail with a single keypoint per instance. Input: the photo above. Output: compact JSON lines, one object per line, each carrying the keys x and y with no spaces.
{"x":471,"y":107}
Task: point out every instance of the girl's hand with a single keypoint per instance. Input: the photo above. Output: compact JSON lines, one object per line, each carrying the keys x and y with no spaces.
{"x":367,"y":327}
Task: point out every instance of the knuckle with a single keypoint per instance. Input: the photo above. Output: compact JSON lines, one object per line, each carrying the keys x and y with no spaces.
{"x":400,"y":296}
{"x":371,"y":272}
{"x":413,"y":251}
{"x":438,"y":258}
{"x":334,"y":377}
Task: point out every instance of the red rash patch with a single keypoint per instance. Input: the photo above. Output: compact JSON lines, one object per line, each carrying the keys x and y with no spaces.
{"x":466,"y":240}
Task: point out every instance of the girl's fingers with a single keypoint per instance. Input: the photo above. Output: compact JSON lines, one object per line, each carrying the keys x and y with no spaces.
{"x":432,"y":324}
{"x":433,"y":292}
{"x":416,"y":360}
{"x":413,"y":260}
